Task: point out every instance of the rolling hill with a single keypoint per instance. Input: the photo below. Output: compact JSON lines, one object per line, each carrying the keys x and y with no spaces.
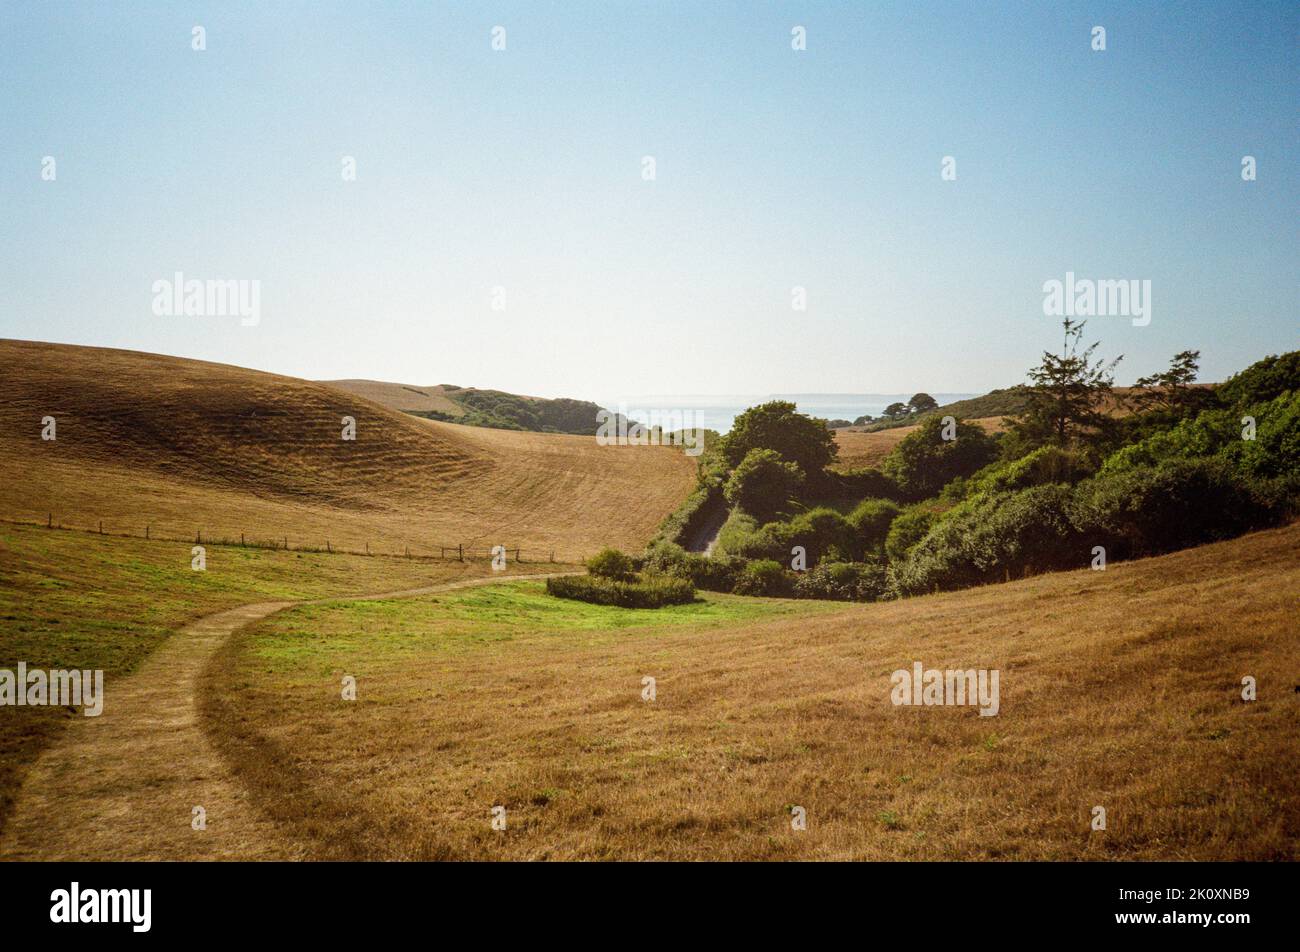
{"x":184,"y":446}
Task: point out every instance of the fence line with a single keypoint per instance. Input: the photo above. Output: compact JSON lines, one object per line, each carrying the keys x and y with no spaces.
{"x":457,"y":552}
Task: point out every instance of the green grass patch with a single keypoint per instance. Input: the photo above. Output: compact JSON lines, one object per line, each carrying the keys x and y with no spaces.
{"x":369,"y":635}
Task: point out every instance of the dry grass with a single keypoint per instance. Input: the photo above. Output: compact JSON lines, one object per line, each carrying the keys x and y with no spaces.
{"x":71,"y":599}
{"x":183,"y":445}
{"x":1119,"y":689}
{"x":859,"y":449}
{"x":400,"y":396}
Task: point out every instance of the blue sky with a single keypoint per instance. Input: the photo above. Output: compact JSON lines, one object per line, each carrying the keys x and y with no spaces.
{"x":522,"y":169}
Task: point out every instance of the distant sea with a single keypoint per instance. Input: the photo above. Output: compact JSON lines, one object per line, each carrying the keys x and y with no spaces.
{"x":718,"y":411}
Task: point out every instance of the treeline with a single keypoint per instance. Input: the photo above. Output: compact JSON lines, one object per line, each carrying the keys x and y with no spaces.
{"x":1070,"y":483}
{"x":507,"y":411}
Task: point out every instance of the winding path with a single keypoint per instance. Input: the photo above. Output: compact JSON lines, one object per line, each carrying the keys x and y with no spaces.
{"x":122,"y":786}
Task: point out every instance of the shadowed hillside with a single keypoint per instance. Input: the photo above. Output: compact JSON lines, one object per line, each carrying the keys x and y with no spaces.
{"x":183,"y":446}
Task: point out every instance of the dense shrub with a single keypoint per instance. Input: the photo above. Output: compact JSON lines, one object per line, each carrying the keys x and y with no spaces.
{"x":995,"y":536}
{"x":907,"y":529}
{"x":763,"y":483}
{"x":741,"y":537}
{"x":924,"y":461}
{"x":763,"y":577}
{"x":822,"y":532}
{"x":1041,"y":467}
{"x":865,"y":483}
{"x":717,"y":574}
{"x":653,"y":591}
{"x":844,"y":581}
{"x":611,"y":564}
{"x":1151,"y":509}
{"x":870,"y":521}
{"x":1263,"y":381}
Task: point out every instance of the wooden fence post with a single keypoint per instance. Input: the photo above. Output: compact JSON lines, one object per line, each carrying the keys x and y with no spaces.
{"x":460,"y":552}
{"x":49,"y":521}
{"x":146,"y":532}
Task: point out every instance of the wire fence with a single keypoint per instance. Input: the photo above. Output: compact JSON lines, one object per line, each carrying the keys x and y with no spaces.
{"x":445,"y":552}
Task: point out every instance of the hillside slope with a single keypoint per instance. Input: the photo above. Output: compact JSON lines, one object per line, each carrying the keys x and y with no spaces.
{"x":1120,"y":688}
{"x":405,"y":397}
{"x":184,"y":446}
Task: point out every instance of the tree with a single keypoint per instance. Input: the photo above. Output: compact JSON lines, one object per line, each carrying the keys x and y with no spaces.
{"x":895,"y":411}
{"x":924,"y":462}
{"x":1171,"y":390}
{"x":1065,"y":392}
{"x":776,"y":426}
{"x":763,"y":483}
{"x":864,"y":420}
{"x":922,"y":402}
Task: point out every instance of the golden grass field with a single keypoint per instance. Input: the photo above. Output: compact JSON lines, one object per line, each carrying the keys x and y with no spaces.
{"x":400,"y":396}
{"x":1119,"y":689}
{"x":184,"y":446}
{"x":859,"y":449}
{"x":75,"y":599}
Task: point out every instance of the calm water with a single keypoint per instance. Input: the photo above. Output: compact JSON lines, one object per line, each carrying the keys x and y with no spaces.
{"x":718,"y":411}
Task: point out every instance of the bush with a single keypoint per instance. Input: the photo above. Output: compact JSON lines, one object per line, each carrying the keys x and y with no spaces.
{"x":717,"y":574}
{"x":654,"y":591}
{"x":1262,"y":382}
{"x":764,"y":577}
{"x":611,"y":564}
{"x":763,"y":483}
{"x":865,"y":483}
{"x":1152,"y":509}
{"x":741,"y":537}
{"x":995,"y":536}
{"x":907,"y":529}
{"x":822,"y":532}
{"x":871,"y":521}
{"x":1042,"y":467}
{"x":924,"y":462}
{"x":844,"y":581}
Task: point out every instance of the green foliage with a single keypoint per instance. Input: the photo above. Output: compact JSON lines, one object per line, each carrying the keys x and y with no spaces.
{"x":822,"y":532}
{"x":1147,"y":510}
{"x":1066,"y":392}
{"x":996,"y":403}
{"x":763,"y":577}
{"x":865,"y":483}
{"x":922,"y":403}
{"x":924,"y":461}
{"x":870,"y":521}
{"x":508,"y":411}
{"x":777,"y":426}
{"x":654,"y":591}
{"x":610,"y":563}
{"x":994,"y":536}
{"x":844,"y":581}
{"x":1171,"y":391}
{"x":763,"y":483}
{"x":716,"y":574}
{"x":741,"y":537}
{"x":907,"y":529}
{"x":1273,"y":455}
{"x":1047,"y":464}
{"x":1262,"y":381}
